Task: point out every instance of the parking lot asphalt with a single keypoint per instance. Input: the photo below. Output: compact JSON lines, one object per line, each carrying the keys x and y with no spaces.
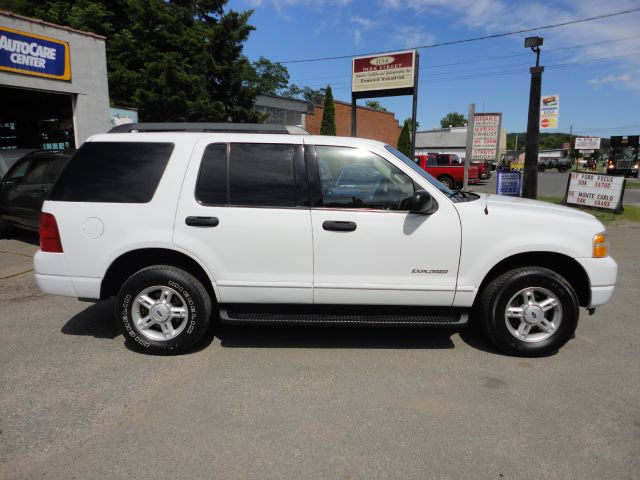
{"x":296,"y":403}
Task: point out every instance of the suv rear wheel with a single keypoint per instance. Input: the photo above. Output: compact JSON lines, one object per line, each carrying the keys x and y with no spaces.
{"x":163,"y":309}
{"x":530,"y":311}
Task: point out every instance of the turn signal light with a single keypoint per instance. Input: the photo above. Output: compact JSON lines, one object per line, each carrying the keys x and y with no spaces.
{"x":49,"y":234}
{"x":600,"y":245}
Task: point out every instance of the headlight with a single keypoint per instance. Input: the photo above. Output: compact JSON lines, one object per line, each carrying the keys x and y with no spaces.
{"x":600,"y":245}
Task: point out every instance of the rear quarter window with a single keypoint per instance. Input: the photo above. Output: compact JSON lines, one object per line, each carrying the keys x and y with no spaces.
{"x":115,"y":172}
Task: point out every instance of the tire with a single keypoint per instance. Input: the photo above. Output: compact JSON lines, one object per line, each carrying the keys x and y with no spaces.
{"x":541,"y":168}
{"x":531,"y":332}
{"x":447,"y":181}
{"x":562,"y":169}
{"x":163,"y":310}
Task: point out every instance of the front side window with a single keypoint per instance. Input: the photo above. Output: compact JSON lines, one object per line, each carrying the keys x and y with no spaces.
{"x":356,"y":178}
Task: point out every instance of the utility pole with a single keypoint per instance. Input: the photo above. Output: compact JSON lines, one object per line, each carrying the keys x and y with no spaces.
{"x":570,"y":147}
{"x":469,"y":144}
{"x":530,"y":178}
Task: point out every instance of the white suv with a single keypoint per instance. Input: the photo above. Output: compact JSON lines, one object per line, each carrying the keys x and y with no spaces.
{"x":253,"y":224}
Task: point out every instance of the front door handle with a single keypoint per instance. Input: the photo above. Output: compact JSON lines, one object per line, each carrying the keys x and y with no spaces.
{"x":202,"y":221}
{"x":337,"y":226}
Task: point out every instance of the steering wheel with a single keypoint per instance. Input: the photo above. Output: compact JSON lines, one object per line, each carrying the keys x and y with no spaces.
{"x":387,"y":194}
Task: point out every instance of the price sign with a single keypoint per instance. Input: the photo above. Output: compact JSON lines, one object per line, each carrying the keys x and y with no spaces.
{"x":508,"y":183}
{"x":595,"y":191}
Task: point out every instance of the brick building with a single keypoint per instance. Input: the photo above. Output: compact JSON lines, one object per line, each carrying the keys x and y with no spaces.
{"x":371,"y":123}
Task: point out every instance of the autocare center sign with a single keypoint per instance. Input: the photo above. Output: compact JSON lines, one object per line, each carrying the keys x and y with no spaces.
{"x":30,"y":54}
{"x":596,"y":191}
{"x":486,"y":133}
{"x":383,"y":72}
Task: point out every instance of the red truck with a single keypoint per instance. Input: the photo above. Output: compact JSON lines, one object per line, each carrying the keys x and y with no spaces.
{"x":448,"y":168}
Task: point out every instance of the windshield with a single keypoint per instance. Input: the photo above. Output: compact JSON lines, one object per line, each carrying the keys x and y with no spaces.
{"x":456,"y":196}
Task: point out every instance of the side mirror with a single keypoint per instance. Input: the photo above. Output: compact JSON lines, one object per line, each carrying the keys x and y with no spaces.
{"x":420,"y":202}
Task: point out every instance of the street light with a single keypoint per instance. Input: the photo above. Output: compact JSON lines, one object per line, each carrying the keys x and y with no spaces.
{"x":530,"y":177}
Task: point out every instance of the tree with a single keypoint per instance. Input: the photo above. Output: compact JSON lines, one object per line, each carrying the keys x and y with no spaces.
{"x":328,"y":126}
{"x":453,"y":119}
{"x":171,"y":59}
{"x":404,"y":140}
{"x":268,"y":78}
{"x":375,"y":105}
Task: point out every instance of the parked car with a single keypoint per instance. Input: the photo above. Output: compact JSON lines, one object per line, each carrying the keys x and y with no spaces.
{"x":26,"y":185}
{"x":447,"y":168}
{"x":222,"y":222}
{"x":561,"y":164}
{"x":484,"y":168}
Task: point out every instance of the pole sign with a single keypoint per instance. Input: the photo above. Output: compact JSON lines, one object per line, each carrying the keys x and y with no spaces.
{"x":508,"y":183}
{"x":383,"y":72}
{"x":595,"y":191}
{"x":549,"y":112}
{"x":30,"y":54}
{"x":486,"y":135}
{"x":587,"y":143}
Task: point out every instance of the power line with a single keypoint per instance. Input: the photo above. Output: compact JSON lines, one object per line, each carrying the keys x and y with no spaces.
{"x":486,"y":59}
{"x":474,"y":39}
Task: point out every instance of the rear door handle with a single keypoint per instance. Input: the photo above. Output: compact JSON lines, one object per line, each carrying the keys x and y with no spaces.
{"x":202,"y":221}
{"x":337,"y":226}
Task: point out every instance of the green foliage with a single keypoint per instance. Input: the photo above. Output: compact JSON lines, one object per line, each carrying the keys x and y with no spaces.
{"x":171,"y":59}
{"x":308,"y":94}
{"x":453,"y":119}
{"x":328,"y":126}
{"x":404,"y":140}
{"x":375,"y":105}
{"x":268,"y":78}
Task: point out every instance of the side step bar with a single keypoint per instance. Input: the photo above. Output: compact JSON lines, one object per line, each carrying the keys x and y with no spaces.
{"x":342,"y":315}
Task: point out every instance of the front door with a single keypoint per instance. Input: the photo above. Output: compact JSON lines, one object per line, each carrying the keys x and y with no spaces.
{"x":367,"y":249}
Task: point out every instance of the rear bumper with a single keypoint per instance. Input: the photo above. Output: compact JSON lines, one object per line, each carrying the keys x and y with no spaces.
{"x":53,"y":278}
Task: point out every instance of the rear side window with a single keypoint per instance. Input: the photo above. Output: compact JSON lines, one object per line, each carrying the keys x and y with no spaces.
{"x":116,"y":172}
{"x":253,"y":175}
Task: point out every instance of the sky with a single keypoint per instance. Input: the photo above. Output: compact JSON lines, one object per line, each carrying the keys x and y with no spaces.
{"x":593,"y":66}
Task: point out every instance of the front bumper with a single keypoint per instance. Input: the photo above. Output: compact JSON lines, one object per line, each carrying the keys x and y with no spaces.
{"x":602,"y":274}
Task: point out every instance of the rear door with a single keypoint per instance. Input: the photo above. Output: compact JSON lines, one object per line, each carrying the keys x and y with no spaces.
{"x":244,"y":212}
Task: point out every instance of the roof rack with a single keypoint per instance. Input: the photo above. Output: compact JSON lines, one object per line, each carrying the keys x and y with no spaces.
{"x":209,"y":127}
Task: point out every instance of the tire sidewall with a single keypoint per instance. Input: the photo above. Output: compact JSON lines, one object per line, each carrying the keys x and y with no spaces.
{"x":188,"y":287}
{"x":560,"y":289}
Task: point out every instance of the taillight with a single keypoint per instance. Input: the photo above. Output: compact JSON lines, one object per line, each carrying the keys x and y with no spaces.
{"x":49,"y":234}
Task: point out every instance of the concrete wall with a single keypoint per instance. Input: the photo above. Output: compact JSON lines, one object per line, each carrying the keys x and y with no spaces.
{"x":88,"y":83}
{"x":373,"y":124}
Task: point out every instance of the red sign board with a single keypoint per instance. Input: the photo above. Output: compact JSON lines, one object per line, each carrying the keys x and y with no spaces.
{"x":383,"y":72}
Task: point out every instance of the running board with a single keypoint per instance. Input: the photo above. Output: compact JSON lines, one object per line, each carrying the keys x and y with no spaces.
{"x":342,"y":315}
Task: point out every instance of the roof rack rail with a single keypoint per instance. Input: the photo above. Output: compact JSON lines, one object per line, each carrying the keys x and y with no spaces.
{"x":209,"y":127}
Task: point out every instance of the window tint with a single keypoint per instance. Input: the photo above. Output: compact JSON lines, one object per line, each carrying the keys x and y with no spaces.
{"x":54,"y":168}
{"x":37,"y":171}
{"x":119,"y":172}
{"x":212,"y":181}
{"x":256,"y":175}
{"x":443,"y":159}
{"x":18,"y":171}
{"x":262,"y":175}
{"x":360,"y":179}
{"x":431,"y":161}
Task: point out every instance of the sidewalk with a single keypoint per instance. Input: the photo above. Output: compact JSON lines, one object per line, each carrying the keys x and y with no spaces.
{"x":16,"y":255}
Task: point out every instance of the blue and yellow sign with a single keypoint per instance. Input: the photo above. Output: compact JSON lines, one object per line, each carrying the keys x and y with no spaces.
{"x":30,"y":54}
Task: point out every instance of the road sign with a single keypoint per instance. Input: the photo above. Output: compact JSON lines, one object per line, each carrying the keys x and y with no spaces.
{"x":595,"y":191}
{"x":508,"y":183}
{"x":486,"y":136}
{"x":587,"y":143}
{"x":549,"y":112}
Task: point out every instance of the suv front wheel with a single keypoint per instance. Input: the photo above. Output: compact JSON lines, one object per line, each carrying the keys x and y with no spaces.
{"x":529,"y":311}
{"x":163,"y":309}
